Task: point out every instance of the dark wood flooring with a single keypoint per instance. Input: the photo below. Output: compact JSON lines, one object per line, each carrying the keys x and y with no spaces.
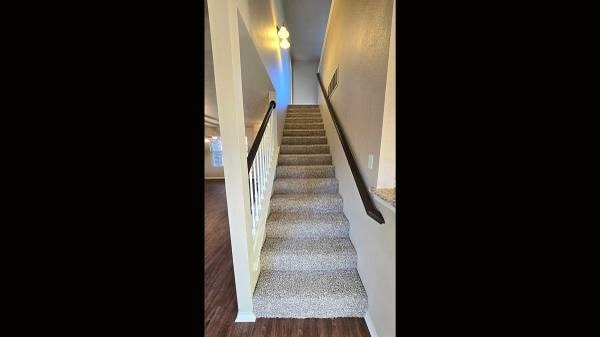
{"x":220,"y":306}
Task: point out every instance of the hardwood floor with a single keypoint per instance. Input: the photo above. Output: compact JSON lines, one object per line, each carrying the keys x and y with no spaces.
{"x":220,"y":306}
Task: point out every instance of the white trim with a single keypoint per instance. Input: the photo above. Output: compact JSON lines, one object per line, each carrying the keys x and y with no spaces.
{"x":213,"y":178}
{"x":243,"y":316}
{"x":370,"y":325}
{"x":325,"y":37}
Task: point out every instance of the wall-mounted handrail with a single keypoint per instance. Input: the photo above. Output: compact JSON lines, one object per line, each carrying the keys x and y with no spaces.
{"x":259,"y":135}
{"x":360,"y":184}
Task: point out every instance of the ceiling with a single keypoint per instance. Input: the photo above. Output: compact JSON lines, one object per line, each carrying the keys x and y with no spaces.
{"x":306,"y":22}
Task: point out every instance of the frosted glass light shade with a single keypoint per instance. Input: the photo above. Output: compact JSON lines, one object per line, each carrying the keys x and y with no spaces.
{"x":285,"y":44}
{"x":283,"y":33}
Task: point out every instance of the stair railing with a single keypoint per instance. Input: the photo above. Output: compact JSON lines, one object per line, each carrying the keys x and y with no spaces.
{"x":260,"y":168}
{"x":370,"y":208}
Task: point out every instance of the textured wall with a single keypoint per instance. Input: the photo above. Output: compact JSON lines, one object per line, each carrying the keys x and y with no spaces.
{"x":305,"y":82}
{"x":357,"y":41}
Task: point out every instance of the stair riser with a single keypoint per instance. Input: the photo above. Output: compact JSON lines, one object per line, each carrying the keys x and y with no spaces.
{"x":304,"y":126}
{"x":299,"y":262}
{"x":307,"y":231}
{"x":304,"y":120}
{"x":290,"y":159}
{"x":303,"y":116}
{"x":304,"y":172}
{"x":296,"y":133}
{"x":312,"y":308}
{"x":304,"y":149}
{"x":284,"y":187}
{"x":307,"y":207}
{"x":303,"y":140}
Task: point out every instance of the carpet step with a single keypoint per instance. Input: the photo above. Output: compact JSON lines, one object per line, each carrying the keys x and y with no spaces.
{"x":303,"y":126}
{"x":307,"y":254}
{"x":307,"y":203}
{"x":303,"y":148}
{"x":300,"y":132}
{"x":304,"y":120}
{"x":302,"y":115}
{"x":319,"y":294}
{"x":304,"y":159}
{"x":290,"y":140}
{"x":305,"y":185}
{"x":298,"y":226}
{"x":302,"y":107}
{"x":304,"y":171}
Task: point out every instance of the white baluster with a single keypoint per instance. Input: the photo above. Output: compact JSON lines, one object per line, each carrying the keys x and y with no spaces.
{"x":254,"y":186}
{"x":251,"y":192}
{"x":260,"y":169}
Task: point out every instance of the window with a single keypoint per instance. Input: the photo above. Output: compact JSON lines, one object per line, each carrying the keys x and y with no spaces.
{"x":216,"y":152}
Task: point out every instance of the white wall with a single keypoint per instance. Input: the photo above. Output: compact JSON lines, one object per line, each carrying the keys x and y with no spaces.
{"x":304,"y":81}
{"x":261,"y":18}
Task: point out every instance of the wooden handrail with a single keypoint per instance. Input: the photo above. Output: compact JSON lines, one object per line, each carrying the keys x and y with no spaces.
{"x":259,"y":135}
{"x":360,"y":184}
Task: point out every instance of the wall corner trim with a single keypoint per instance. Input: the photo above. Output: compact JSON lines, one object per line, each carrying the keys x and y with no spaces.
{"x":244,"y":316}
{"x":370,"y":325}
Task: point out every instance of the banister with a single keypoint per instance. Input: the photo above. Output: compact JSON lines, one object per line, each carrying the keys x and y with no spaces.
{"x":360,"y":184}
{"x":259,"y":135}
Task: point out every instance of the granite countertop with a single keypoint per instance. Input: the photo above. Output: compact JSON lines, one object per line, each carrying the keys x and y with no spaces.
{"x":387,"y":194}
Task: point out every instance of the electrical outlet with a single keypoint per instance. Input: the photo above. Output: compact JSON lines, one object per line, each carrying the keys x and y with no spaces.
{"x":370,"y":161}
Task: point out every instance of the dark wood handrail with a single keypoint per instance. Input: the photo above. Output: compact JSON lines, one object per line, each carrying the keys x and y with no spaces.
{"x":362,"y":188}
{"x":259,"y":135}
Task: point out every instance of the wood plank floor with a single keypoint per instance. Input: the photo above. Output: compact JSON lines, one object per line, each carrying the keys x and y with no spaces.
{"x":220,"y":306}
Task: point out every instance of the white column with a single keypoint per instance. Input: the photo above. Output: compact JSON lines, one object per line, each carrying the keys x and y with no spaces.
{"x":228,"y":83}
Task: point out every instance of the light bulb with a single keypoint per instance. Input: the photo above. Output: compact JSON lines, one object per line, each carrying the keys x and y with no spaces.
{"x":285,"y":44}
{"x":283,"y":33}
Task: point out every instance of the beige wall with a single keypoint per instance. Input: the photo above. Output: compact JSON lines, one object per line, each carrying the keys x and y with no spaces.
{"x":305,"y":82}
{"x":256,"y":83}
{"x":357,"y":42}
{"x":375,"y":243}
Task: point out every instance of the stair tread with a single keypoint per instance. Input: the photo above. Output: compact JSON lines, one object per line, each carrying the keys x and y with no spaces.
{"x":332,"y":247}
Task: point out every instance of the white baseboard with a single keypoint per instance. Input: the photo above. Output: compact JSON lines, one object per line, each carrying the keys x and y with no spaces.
{"x":244,"y":316}
{"x":370,"y":325}
{"x":213,"y":178}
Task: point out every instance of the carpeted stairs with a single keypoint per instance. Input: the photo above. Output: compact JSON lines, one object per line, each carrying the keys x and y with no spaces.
{"x":308,"y":264}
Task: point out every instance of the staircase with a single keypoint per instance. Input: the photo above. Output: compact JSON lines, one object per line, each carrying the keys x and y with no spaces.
{"x":308,"y":264}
